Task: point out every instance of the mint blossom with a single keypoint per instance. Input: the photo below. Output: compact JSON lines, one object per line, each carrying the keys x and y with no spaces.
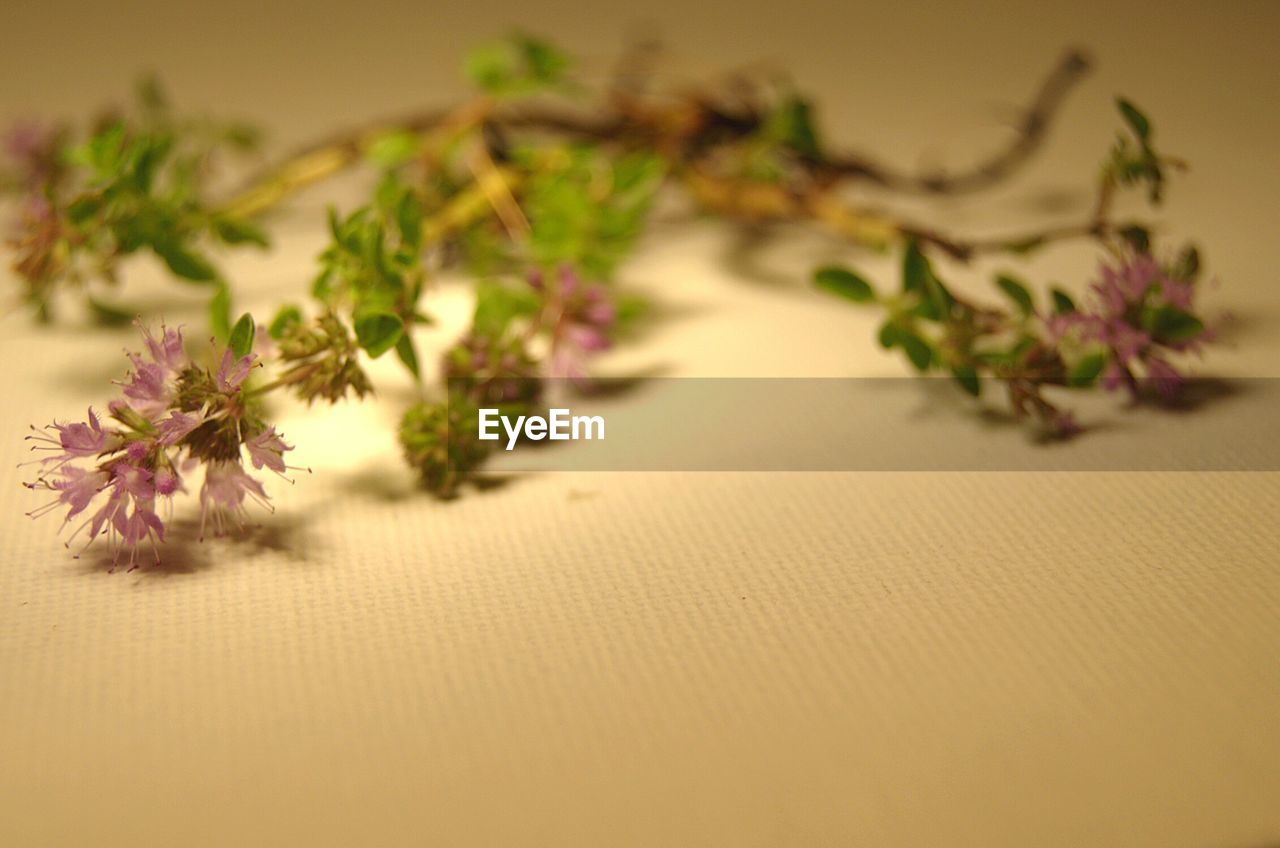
{"x":176,"y":427}
{"x":1142,"y":313}
{"x":233,"y":371}
{"x":149,"y":388}
{"x":76,"y":440}
{"x":175,"y":416}
{"x":581,"y":317}
{"x":31,"y":148}
{"x":76,"y":488}
{"x":222,"y":497}
{"x":267,"y":450}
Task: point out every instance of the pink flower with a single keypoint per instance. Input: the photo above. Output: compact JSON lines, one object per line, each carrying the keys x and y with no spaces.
{"x":77,"y":440}
{"x":267,"y":449}
{"x":141,"y":525}
{"x":1129,"y":296}
{"x":1113,"y":376}
{"x":167,"y":482}
{"x":148,"y":389}
{"x":107,"y":516}
{"x":222,"y":497}
{"x":76,"y":487}
{"x":167,"y":351}
{"x":177,"y":427}
{"x":120,"y":473}
{"x":133,"y":480}
{"x":33,"y":148}
{"x":1128,"y":283}
{"x":127,"y":529}
{"x":1178,"y":293}
{"x":233,"y":370}
{"x":151,"y":385}
{"x":1125,"y":340}
{"x":584,"y":317}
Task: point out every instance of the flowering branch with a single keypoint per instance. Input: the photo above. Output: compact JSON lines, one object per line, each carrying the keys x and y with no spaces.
{"x":539,"y":192}
{"x":174,"y":417}
{"x":1141,"y":313}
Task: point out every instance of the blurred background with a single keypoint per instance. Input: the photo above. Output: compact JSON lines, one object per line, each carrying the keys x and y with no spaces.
{"x":677,"y":659}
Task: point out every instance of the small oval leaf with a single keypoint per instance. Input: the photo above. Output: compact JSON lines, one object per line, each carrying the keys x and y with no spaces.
{"x":844,"y":283}
{"x":967,"y":377}
{"x":241,"y":340}
{"x":1016,"y":292}
{"x":916,"y":348}
{"x":1062,"y":302}
{"x":185,"y":263}
{"x":378,"y":332}
{"x":1134,"y":117}
{"x":1086,"y":371}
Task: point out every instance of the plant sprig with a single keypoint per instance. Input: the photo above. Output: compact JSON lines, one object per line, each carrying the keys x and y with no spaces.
{"x":539,"y":187}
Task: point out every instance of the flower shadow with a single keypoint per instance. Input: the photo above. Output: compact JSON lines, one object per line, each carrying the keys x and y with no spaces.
{"x":186,"y":552}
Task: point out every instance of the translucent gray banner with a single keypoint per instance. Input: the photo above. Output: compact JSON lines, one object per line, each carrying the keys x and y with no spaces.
{"x":687,"y":424}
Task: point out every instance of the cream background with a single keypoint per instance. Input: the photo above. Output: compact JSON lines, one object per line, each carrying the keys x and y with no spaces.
{"x":666,"y":659}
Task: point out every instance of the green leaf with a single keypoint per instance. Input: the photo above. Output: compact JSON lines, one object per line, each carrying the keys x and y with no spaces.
{"x":1062,"y":302}
{"x":1086,"y":371}
{"x":491,"y":67}
{"x":791,"y":125}
{"x":409,"y":218}
{"x":377,"y":331}
{"x":408,"y":353}
{"x":1020,"y":347}
{"x":1170,"y":324}
{"x":630,"y":310}
{"x":546,"y":62}
{"x":393,"y":149}
{"x":108,"y":315}
{"x":151,"y":95}
{"x":1188,"y":265}
{"x":967,"y":377}
{"x":844,"y":283}
{"x":1134,"y":117}
{"x":236,"y":231}
{"x":335,"y":223}
{"x":498,"y":305}
{"x":586,"y":207}
{"x":219,"y":310}
{"x":185,"y":263}
{"x":241,"y":338}
{"x":888,"y":335}
{"x":242,"y":137}
{"x":916,"y":348}
{"x":287,"y":316}
{"x":915,"y":269}
{"x":1139,"y":238}
{"x":1026,"y":246}
{"x":83,"y":208}
{"x":918,"y":276}
{"x":519,"y":64}
{"x":1016,"y":292}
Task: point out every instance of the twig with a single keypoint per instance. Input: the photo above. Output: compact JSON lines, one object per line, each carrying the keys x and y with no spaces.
{"x":686,"y":131}
{"x":1032,"y":130}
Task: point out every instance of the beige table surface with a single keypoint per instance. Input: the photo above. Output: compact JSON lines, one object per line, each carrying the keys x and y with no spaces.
{"x":967,"y":659}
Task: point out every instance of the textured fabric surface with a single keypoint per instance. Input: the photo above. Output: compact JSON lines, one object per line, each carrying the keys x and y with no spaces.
{"x":670,"y":659}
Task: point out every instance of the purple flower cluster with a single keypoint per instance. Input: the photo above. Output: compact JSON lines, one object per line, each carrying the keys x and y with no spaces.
{"x":1143,"y":313}
{"x":174,"y":418}
{"x":580,"y":318}
{"x":31,"y":148}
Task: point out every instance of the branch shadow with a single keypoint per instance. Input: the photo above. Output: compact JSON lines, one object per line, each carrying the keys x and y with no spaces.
{"x":939,"y":397}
